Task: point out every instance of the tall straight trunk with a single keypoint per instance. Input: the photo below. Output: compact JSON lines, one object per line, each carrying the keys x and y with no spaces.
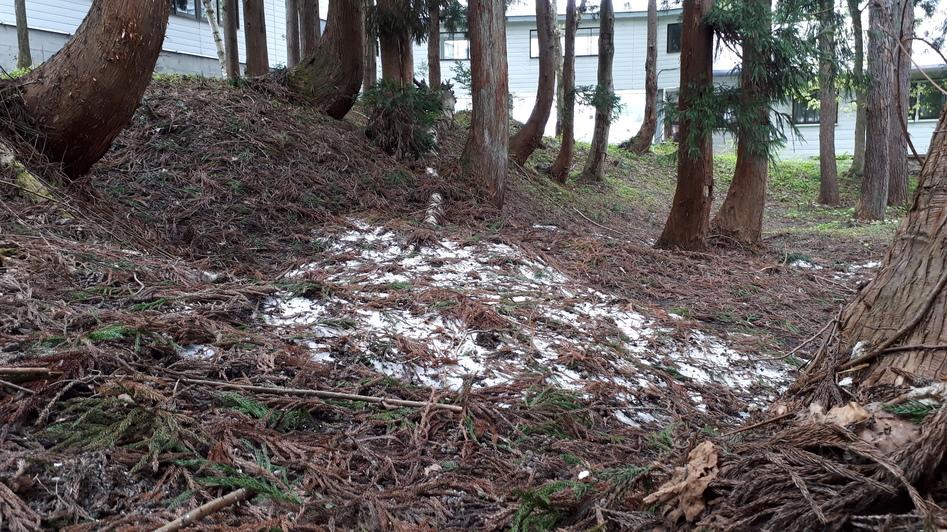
{"x":595,"y":163}
{"x":310,"y":28}
{"x":211,"y":13}
{"x":858,"y":70}
{"x":397,"y":61}
{"x":81,"y":99}
{"x":434,"y":45}
{"x":527,"y":139}
{"x":563,"y":163}
{"x":874,"y":189}
{"x":254,"y":29}
{"x":557,"y":43}
{"x":906,"y":303}
{"x":641,"y":142}
{"x":485,"y":156}
{"x":331,"y":76}
{"x":741,"y":214}
{"x":231,"y":14}
{"x":24,"y":58}
{"x":292,"y":33}
{"x":370,"y":70}
{"x":903,"y":24}
{"x":828,"y":106}
{"x":689,"y":220}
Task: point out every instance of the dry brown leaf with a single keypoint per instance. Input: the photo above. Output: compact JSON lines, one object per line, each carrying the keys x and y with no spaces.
{"x":686,"y":488}
{"x":849,"y":414}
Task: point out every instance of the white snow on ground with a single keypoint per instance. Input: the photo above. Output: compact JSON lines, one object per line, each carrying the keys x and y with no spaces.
{"x":387,"y":309}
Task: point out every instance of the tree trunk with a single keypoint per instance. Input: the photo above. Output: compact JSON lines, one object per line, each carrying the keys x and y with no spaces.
{"x":595,"y":163}
{"x":211,"y":15}
{"x":828,"y":106}
{"x":230,"y":38}
{"x":557,"y":46}
{"x":903,"y":24}
{"x":81,"y":99}
{"x":254,"y":29}
{"x":24,"y":58}
{"x":370,"y":71}
{"x":562,"y":165}
{"x":641,"y":142}
{"x":689,"y":220}
{"x":874,"y":190}
{"x":527,"y":139}
{"x":858,"y":70}
{"x":906,"y":303}
{"x":292,"y":33}
{"x":741,"y":214}
{"x":485,"y":155}
{"x":310,"y":28}
{"x":397,"y":61}
{"x":434,"y":45}
{"x":331,"y":76}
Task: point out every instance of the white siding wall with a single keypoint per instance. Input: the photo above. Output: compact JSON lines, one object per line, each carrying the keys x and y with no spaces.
{"x":185,"y":35}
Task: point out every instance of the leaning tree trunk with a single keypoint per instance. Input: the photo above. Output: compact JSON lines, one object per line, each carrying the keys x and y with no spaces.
{"x":331,"y":76}
{"x":82,"y":98}
{"x":485,"y":156}
{"x":641,"y":142}
{"x":903,"y":24}
{"x":858,"y":71}
{"x":254,"y":28}
{"x":562,"y":165}
{"x":595,"y":163}
{"x":874,"y":189}
{"x":292,"y":33}
{"x":689,"y":220}
{"x":370,"y":70}
{"x":310,"y":29}
{"x":903,"y":310}
{"x":230,"y":38}
{"x":828,"y":106}
{"x":24,"y":59}
{"x":434,"y":45}
{"x":741,"y":214}
{"x":527,"y":139}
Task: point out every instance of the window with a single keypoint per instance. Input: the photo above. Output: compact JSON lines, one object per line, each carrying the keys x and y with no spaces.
{"x":195,"y":9}
{"x":455,"y":47}
{"x":674,"y":38}
{"x":805,"y":111}
{"x":926,"y":101}
{"x":586,"y":43}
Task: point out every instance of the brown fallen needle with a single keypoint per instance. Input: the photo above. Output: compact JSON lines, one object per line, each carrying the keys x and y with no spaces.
{"x":326,"y":394}
{"x":206,"y":509}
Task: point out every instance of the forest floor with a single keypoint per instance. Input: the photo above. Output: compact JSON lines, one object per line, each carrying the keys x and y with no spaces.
{"x":242,"y":251}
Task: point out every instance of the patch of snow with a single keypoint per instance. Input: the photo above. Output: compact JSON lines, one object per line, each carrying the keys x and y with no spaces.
{"x":198,"y":351}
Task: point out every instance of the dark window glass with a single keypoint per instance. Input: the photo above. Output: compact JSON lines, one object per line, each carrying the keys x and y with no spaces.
{"x":805,"y":112}
{"x":926,"y":101}
{"x":455,"y":47}
{"x":674,"y":38}
{"x":586,"y":43}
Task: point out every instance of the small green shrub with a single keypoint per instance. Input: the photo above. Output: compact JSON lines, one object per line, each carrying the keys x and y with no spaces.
{"x":402,"y":118}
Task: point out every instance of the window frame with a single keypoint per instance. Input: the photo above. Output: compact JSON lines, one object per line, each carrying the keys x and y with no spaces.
{"x":915,"y":110}
{"x":443,"y":42}
{"x":818,"y":118}
{"x":535,"y":33}
{"x":679,"y":27}
{"x":199,"y":14}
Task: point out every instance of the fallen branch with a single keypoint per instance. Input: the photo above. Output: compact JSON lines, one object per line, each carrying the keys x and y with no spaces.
{"x":17,"y":387}
{"x":26,"y":373}
{"x":206,"y":509}
{"x":326,"y":394}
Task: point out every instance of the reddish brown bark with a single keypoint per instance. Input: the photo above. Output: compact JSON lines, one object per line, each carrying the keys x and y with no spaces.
{"x":858,"y":71}
{"x":397,"y":56}
{"x":434,"y":45}
{"x":903,"y":24}
{"x":331,"y":76}
{"x":828,"y":107}
{"x":254,"y":29}
{"x":563,"y":163}
{"x":82,"y":98}
{"x":485,"y":155}
{"x":527,"y":139}
{"x":310,"y":28}
{"x":874,"y":191}
{"x":689,"y":220}
{"x":230,"y":11}
{"x":595,"y":163}
{"x":292,"y":33}
{"x":906,"y":303}
{"x":741,"y":214}
{"x":641,"y":142}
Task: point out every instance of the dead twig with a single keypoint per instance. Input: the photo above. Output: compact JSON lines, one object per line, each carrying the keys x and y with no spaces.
{"x":17,"y":387}
{"x":206,"y":509}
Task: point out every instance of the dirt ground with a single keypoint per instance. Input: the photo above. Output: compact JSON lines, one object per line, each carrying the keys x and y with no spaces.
{"x":161,"y":339}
